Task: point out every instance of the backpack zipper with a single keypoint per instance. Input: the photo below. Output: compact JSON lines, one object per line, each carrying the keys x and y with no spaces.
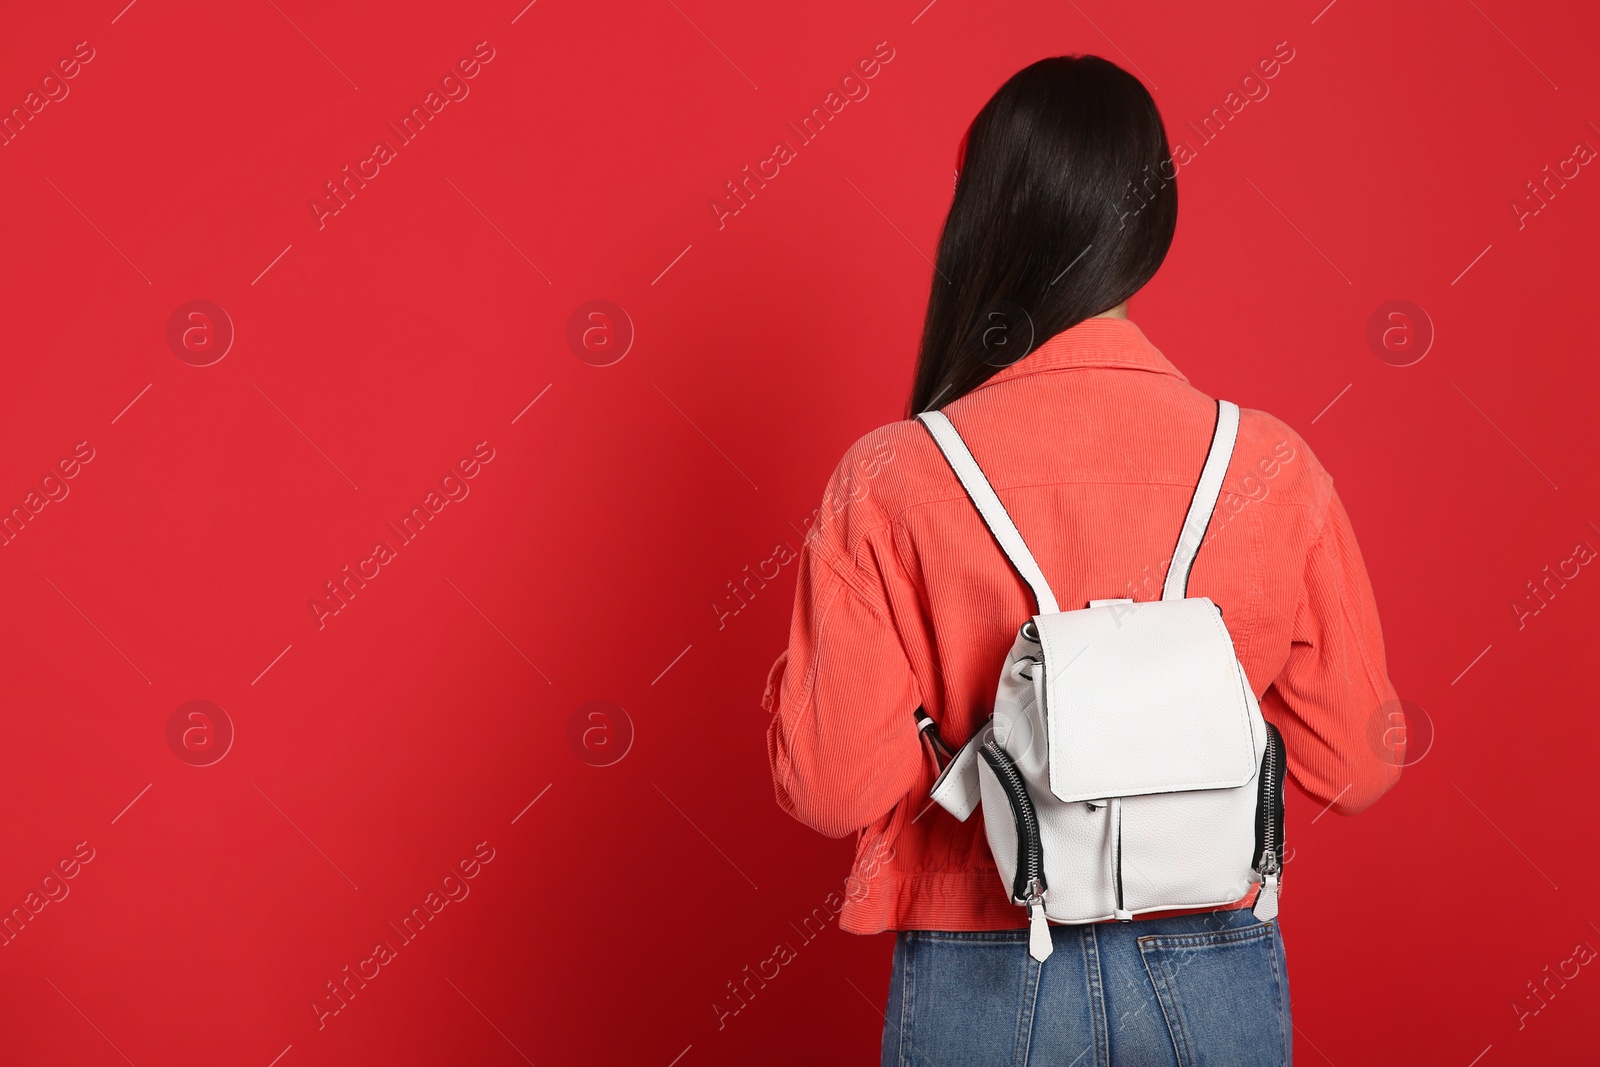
{"x":1269,"y":826}
{"x":1122,"y":913}
{"x":1028,"y":885}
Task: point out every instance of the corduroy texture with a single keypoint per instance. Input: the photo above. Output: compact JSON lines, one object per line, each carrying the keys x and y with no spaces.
{"x":1093,"y":442}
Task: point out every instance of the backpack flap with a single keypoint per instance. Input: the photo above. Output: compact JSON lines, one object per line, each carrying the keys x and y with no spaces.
{"x":1144,"y":698}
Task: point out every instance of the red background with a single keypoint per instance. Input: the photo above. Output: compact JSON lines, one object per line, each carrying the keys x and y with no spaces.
{"x":374,"y":753}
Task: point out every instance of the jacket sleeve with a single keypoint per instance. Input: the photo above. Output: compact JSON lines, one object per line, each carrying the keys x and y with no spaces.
{"x":842,"y":741}
{"x":1340,"y":717}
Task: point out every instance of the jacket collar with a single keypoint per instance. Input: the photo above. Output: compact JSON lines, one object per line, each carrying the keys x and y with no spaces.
{"x":1092,"y":343}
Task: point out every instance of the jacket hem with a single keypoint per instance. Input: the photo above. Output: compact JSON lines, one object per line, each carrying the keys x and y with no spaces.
{"x":954,"y":900}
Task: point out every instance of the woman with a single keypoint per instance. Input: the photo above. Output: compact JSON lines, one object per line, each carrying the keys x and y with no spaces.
{"x":1064,"y":207}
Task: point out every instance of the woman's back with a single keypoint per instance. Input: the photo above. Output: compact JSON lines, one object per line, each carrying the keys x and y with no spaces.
{"x":1065,"y":205}
{"x":1094,"y":442}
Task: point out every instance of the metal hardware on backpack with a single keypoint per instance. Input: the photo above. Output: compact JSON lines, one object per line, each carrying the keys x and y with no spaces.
{"x":1126,"y":764}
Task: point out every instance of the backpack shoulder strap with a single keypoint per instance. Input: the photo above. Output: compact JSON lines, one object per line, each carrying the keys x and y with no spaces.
{"x":1204,"y":501}
{"x":989,"y":506}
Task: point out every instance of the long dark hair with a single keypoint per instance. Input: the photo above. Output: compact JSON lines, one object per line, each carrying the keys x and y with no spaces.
{"x":1065,"y":205}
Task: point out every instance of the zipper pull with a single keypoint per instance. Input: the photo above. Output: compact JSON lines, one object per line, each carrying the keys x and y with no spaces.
{"x":1039,"y":943}
{"x":1266,"y":906}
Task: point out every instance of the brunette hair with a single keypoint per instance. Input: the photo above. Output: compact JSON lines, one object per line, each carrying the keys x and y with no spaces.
{"x":1065,"y":205}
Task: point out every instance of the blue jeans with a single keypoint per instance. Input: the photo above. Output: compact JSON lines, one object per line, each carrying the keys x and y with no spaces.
{"x":1198,"y":990}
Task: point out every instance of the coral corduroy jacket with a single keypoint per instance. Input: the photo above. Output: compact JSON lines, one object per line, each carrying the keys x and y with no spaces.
{"x":1094,"y":442}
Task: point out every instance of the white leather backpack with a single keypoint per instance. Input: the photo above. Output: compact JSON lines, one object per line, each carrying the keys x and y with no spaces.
{"x":1126,"y":767}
